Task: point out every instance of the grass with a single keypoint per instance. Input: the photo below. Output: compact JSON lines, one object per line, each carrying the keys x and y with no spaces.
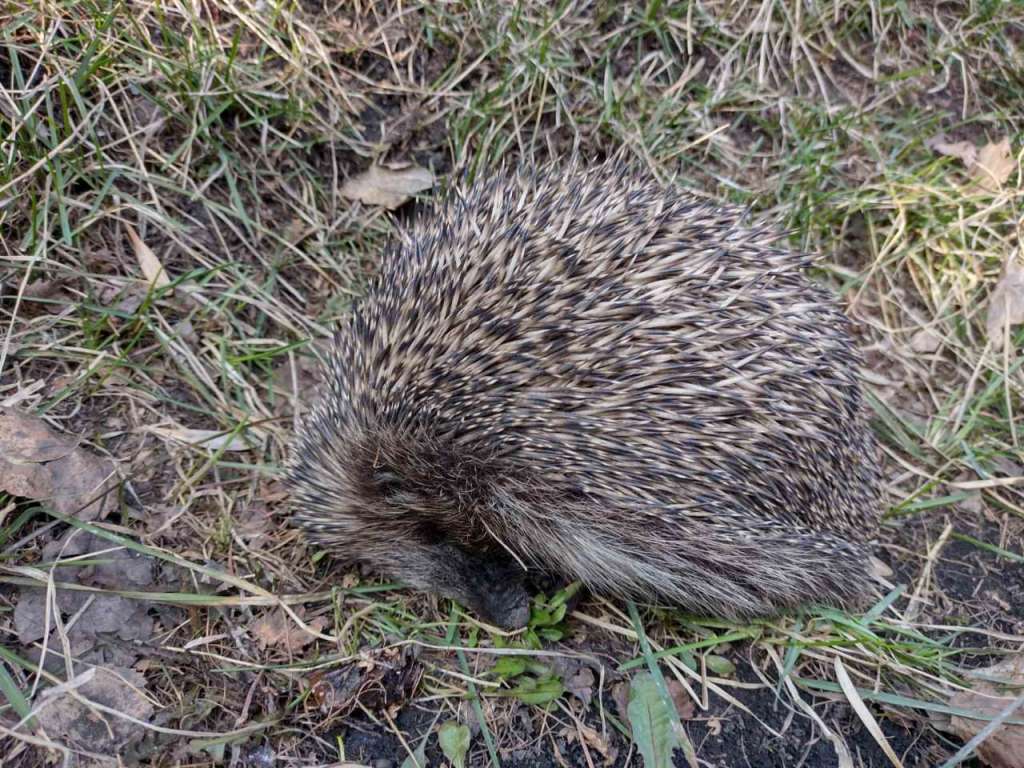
{"x":221,"y":134}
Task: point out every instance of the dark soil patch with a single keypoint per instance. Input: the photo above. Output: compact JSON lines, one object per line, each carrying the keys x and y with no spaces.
{"x":727,"y":737}
{"x":724,"y":736}
{"x":970,"y":584}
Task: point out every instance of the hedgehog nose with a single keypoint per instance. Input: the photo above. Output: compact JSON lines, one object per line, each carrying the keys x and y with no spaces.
{"x":505,"y":604}
{"x":517,"y":617}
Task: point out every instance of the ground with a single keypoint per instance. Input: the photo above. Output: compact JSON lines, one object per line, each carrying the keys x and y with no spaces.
{"x":213,"y":141}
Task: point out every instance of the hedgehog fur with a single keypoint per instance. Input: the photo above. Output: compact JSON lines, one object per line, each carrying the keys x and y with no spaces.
{"x":586,"y":373}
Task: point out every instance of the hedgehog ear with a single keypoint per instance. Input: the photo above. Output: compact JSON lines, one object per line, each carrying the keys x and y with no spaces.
{"x":387,"y":482}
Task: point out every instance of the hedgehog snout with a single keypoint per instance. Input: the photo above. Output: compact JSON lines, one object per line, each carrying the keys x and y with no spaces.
{"x":503,"y":599}
{"x":490,"y":584}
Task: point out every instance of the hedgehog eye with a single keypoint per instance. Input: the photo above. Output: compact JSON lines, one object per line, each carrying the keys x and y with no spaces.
{"x":387,"y":483}
{"x":430,"y":533}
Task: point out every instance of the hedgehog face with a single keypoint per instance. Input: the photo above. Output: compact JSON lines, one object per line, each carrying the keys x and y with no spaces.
{"x":490,"y":585}
{"x":376,"y":509}
{"x":435,"y":551}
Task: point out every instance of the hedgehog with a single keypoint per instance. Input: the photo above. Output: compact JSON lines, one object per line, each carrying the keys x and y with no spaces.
{"x":580,"y":372}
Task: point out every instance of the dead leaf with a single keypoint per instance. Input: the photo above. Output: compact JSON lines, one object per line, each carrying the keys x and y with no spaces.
{"x":39,"y":464}
{"x":297,"y":382}
{"x":989,"y":166}
{"x":186,"y":331}
{"x":925,"y":341}
{"x":281,"y":630}
{"x":1006,"y":305}
{"x":30,"y":614}
{"x":581,"y":685}
{"x":993,"y":690}
{"x":124,"y":298}
{"x":254,"y":521}
{"x":74,"y":723}
{"x":47,"y":296}
{"x":112,"y":568}
{"x":97,"y":614}
{"x":879,"y":569}
{"x":386,"y":187}
{"x":684,"y":703}
{"x":602,"y":745}
{"x":964,"y":150}
{"x":213,"y":439}
{"x":592,"y":739}
{"x":381,"y":679}
{"x":41,"y":290}
{"x":273,"y":491}
{"x":99,"y":627}
{"x":81,"y":649}
{"x":620,"y":695}
{"x":150,"y":265}
{"x":972,"y":503}
{"x":106,"y":565}
{"x":994,"y":165}
{"x":1007,"y":467}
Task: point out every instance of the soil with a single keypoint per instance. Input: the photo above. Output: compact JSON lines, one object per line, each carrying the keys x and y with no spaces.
{"x":970,"y":585}
{"x":723,"y":737}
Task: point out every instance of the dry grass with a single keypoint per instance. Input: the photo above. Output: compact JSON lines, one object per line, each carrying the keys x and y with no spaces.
{"x":221,"y":134}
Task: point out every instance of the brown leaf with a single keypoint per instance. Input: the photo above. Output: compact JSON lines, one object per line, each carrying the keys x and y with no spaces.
{"x":112,"y":568}
{"x":30,"y":613}
{"x":39,"y":464}
{"x":386,"y":187}
{"x":597,"y":742}
{"x":211,"y":439}
{"x":994,"y":165}
{"x":879,"y":569}
{"x":972,"y":504}
{"x":994,"y":689}
{"x":51,"y":296}
{"x":273,"y":491}
{"x":150,"y":265}
{"x":925,"y":341}
{"x":103,"y":614}
{"x":581,"y":685}
{"x":297,"y":383}
{"x":74,"y":723}
{"x":279,"y":629}
{"x":964,"y":150}
{"x":620,"y":695}
{"x":1006,"y":305}
{"x":124,"y":298}
{"x":255,"y":521}
{"x":989,"y":166}
{"x":684,"y":704}
{"x":381,"y":679}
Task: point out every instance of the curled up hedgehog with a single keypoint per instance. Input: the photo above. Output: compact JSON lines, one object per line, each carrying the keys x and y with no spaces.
{"x":586,"y":374}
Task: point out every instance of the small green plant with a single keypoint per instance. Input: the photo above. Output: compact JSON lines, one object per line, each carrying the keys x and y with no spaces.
{"x":547,"y":616}
{"x":453,"y":738}
{"x":652,"y":720}
{"x":531,"y":681}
